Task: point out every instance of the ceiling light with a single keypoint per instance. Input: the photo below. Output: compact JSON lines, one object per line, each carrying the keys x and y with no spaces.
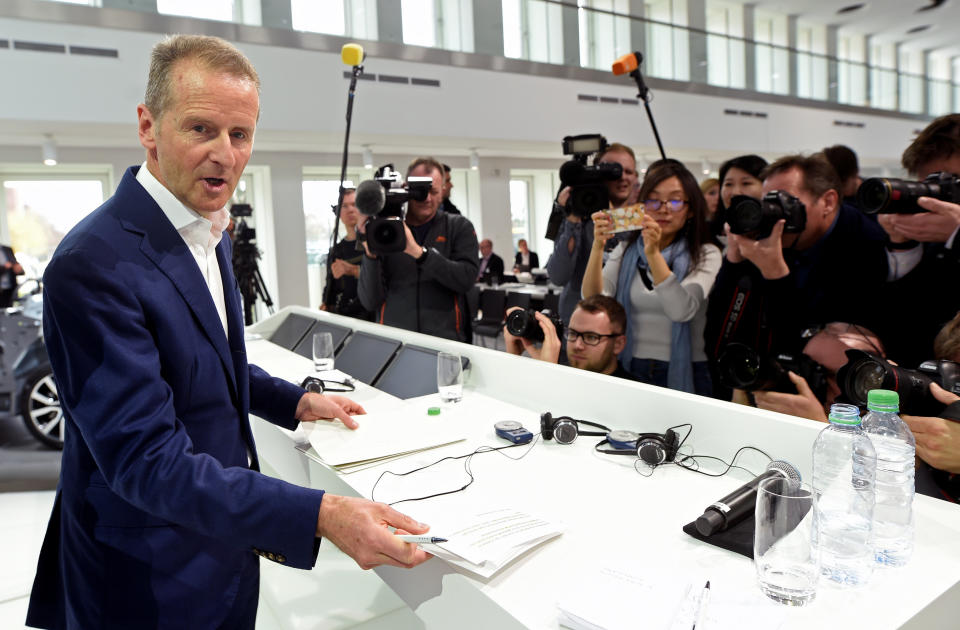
{"x":367,"y":158}
{"x":850,"y":8}
{"x":918,"y":29}
{"x":705,"y":166}
{"x":49,"y":150}
{"x":474,"y":160}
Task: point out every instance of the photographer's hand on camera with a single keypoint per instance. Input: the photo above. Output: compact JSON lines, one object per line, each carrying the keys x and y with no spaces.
{"x":936,"y":225}
{"x":362,"y":231}
{"x":413,"y":249}
{"x":766,"y":253}
{"x":938,"y":439}
{"x":803,"y":404}
{"x":548,"y":351}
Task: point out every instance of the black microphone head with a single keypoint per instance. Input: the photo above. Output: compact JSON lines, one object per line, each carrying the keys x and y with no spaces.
{"x":370,"y":197}
{"x":784,"y":468}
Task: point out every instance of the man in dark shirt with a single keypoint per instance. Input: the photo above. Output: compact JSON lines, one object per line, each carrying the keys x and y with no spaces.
{"x":447,"y":204}
{"x":594,"y":337}
{"x":340,"y":293}
{"x":491,"y":265}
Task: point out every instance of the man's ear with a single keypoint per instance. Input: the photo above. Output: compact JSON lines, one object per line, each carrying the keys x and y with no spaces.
{"x":619,"y":343}
{"x":146,"y":128}
{"x":831,"y":202}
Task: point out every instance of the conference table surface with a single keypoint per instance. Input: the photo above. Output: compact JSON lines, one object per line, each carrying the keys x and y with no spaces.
{"x":614,"y":513}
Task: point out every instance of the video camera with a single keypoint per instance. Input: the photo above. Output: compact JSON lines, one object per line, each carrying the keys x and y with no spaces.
{"x":755,"y":219}
{"x":589,"y":191}
{"x":523,"y":323}
{"x":886,"y":195}
{"x":742,"y":367}
{"x":864,"y":371}
{"x":382,"y":198}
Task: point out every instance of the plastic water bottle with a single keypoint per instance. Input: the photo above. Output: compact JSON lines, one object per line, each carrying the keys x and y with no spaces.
{"x":896,"y":449}
{"x":844,"y":474}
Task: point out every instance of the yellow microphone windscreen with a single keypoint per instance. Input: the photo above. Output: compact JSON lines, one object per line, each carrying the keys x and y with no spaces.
{"x":352,"y":54}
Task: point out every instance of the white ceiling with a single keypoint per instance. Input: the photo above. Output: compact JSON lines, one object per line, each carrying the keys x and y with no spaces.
{"x":888,"y":20}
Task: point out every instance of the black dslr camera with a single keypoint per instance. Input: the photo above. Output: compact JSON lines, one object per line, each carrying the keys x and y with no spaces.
{"x":885,"y":195}
{"x":523,"y":323}
{"x":742,"y":367}
{"x":588,"y":183}
{"x":864,"y":371}
{"x":382,"y":198}
{"x":755,"y":219}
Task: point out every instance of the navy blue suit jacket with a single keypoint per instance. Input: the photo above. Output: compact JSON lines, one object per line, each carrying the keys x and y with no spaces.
{"x":157,"y":511}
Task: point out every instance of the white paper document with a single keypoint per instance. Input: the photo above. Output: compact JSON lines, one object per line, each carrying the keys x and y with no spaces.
{"x":380,"y":436}
{"x":626,"y":598}
{"x":485,"y":542}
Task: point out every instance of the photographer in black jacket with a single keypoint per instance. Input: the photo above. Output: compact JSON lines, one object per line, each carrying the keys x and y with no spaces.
{"x":340,"y":293}
{"x":423,"y":288}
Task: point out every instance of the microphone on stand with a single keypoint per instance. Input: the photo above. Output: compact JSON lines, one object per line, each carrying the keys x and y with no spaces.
{"x":352,"y":54}
{"x":740,"y":503}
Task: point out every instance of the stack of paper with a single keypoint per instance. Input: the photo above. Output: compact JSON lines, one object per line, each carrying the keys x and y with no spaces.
{"x":485,"y":542}
{"x":381,"y":436}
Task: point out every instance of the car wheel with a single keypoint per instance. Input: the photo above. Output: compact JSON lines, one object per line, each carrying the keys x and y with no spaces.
{"x":40,"y":408}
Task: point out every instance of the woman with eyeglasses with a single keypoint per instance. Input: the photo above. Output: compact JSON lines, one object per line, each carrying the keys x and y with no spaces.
{"x":661,"y":275}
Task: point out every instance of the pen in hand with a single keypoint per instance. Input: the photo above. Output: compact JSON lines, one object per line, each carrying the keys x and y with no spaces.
{"x":421,"y":539}
{"x":702,"y":606}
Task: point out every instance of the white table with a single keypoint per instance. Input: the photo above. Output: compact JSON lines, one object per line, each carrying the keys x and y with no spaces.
{"x":608,"y":508}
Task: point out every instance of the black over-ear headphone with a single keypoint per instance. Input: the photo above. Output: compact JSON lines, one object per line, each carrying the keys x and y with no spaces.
{"x":318,"y":385}
{"x":653,"y":448}
{"x":565,"y":429}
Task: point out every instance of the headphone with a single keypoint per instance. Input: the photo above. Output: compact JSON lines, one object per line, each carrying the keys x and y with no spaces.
{"x":318,"y":385}
{"x":653,"y":448}
{"x":565,"y":429}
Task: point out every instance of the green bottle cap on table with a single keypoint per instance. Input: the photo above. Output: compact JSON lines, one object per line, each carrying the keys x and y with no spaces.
{"x":883,"y":400}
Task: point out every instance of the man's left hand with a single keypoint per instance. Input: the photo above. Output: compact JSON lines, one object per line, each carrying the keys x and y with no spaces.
{"x":313,"y":407}
{"x":803,"y":404}
{"x":938,"y":439}
{"x":766,"y":254}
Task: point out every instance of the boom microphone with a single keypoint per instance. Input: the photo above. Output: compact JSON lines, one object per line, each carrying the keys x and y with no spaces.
{"x":734,"y":507}
{"x":628,"y":63}
{"x":370,"y":197}
{"x":352,"y":54}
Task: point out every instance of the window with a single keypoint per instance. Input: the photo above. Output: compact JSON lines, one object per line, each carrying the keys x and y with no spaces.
{"x":603,"y":37}
{"x":208,"y":10}
{"x":812,"y":61}
{"x":444,"y":24}
{"x":725,"y":53}
{"x":773,"y":70}
{"x":938,"y":85}
{"x":668,"y":48}
{"x":39,"y":207}
{"x":883,"y":76}
{"x":851,"y":69}
{"x":911,"y":81}
{"x":533,"y":29}
{"x":321,"y":190}
{"x":520,"y":203}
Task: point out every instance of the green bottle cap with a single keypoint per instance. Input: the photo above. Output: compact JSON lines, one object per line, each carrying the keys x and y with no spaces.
{"x":883,"y":400}
{"x":433,"y":411}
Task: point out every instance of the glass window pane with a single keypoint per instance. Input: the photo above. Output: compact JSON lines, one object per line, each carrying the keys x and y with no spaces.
{"x":419,"y":22}
{"x":519,"y":211}
{"x":41,"y":212}
{"x":512,"y":29}
{"x":319,"y":16}
{"x":208,"y":9}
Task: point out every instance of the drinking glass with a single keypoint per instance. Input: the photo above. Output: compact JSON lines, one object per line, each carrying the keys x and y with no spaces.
{"x":322,"y":351}
{"x":787,"y":563}
{"x":449,"y":377}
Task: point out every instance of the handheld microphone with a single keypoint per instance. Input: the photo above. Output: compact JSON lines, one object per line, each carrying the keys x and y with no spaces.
{"x":352,"y":54}
{"x":370,"y":197}
{"x":627,"y":63}
{"x":737,"y":505}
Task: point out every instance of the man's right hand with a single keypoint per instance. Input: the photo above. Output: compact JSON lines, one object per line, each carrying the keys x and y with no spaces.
{"x":362,"y":229}
{"x":358,"y":528}
{"x":602,"y":228}
{"x":549,"y":351}
{"x":562,"y":200}
{"x":766,"y":254}
{"x":938,"y":439}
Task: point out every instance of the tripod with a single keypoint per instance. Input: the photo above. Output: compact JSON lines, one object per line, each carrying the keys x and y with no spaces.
{"x":245,"y":268}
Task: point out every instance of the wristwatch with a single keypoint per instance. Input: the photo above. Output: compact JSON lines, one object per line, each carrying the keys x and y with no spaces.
{"x":426,"y":252}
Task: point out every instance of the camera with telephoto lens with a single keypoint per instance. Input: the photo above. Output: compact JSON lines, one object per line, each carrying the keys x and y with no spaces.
{"x":588,"y":188}
{"x":755,"y":219}
{"x":523,"y":323}
{"x":382,"y":198}
{"x":864,"y":371}
{"x":887,"y":195}
{"x":742,"y":367}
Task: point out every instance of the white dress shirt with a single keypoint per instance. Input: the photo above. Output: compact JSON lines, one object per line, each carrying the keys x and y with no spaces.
{"x":200,"y":234}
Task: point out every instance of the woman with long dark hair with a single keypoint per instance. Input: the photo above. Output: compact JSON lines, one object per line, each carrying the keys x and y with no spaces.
{"x":738,"y":176}
{"x":662,"y":276}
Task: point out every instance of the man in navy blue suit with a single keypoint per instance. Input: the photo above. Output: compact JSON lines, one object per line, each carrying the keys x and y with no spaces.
{"x":161,"y":516}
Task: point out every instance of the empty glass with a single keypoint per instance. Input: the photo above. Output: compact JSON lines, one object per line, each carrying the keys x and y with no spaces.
{"x":449,"y":377}
{"x":787,"y":562}
{"x":322,"y":351}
